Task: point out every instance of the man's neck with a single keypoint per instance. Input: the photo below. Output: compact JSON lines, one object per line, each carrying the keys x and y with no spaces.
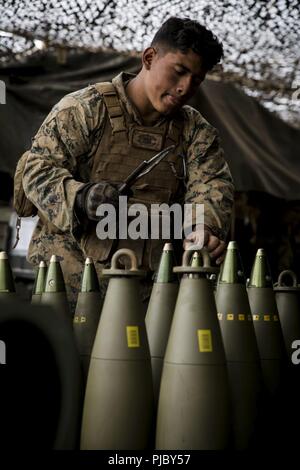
{"x":136,"y":93}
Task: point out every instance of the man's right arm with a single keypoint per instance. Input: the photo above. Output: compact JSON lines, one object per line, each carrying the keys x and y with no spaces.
{"x":64,"y":138}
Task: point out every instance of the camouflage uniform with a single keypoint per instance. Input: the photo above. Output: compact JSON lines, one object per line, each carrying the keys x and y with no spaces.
{"x":60,"y":162}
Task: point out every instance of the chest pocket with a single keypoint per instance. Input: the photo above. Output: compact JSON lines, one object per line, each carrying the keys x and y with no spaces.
{"x":160,"y":185}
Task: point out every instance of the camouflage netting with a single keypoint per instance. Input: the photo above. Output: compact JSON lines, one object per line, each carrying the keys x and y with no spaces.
{"x":261,"y":38}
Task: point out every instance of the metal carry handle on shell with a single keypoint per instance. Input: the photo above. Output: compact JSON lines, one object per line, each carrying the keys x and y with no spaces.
{"x":281,"y":287}
{"x":133,"y":271}
{"x":286,"y":273}
{"x":124,"y":252}
{"x":186,"y":258}
{"x":185,"y":268}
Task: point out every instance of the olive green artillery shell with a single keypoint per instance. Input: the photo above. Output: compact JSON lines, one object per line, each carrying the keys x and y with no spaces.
{"x":55,"y":291}
{"x":85,"y":323}
{"x":118,"y":406}
{"x":236,"y":323}
{"x":158,"y":323}
{"x":288,"y":304}
{"x":36,"y":298}
{"x":193,"y":409}
{"x":7,"y":283}
{"x":268,"y":335}
{"x":57,"y":300}
{"x":87,"y":313}
{"x":39,"y":285}
{"x":196,"y":301}
{"x":244,"y":370}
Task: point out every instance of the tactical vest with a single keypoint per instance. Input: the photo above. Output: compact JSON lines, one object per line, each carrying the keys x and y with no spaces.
{"x":123,"y":146}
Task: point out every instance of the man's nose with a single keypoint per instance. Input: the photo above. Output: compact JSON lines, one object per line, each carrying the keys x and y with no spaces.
{"x":185,"y":86}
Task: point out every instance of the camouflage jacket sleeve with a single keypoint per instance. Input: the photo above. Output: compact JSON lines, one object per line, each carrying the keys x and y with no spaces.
{"x":209,"y":179}
{"x":62,"y":143}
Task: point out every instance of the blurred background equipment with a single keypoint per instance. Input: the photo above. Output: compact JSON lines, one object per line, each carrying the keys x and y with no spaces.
{"x":40,"y":388}
{"x":7,"y":284}
{"x":20,"y":266}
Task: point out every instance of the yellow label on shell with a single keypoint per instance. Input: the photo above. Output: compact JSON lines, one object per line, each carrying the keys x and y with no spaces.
{"x":79,"y":319}
{"x":241,"y":317}
{"x":220,"y":316}
{"x":205,"y":340}
{"x":267,"y":318}
{"x":230,"y":316}
{"x":256,"y":317}
{"x":133,"y":338}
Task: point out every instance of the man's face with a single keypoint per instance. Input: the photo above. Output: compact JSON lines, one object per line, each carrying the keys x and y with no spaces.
{"x":172,"y":79}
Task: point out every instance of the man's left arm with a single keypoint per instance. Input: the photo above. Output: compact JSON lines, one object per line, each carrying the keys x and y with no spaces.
{"x":209,"y":183}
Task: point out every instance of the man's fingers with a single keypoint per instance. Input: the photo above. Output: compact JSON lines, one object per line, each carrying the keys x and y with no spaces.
{"x":189,"y":241}
{"x":198,"y":237}
{"x":212,"y":244}
{"x":191,"y":236}
{"x":218,"y":251}
{"x":190,"y":244}
{"x":186,"y":244}
{"x":220,"y":259}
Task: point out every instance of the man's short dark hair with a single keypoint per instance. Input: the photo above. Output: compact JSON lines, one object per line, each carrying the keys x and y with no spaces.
{"x":183,"y":34}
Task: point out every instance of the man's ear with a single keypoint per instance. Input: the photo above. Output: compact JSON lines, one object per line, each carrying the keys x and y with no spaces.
{"x":148,"y":56}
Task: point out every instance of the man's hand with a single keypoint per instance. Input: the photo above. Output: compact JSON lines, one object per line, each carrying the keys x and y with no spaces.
{"x":92,"y":195}
{"x":203,"y":237}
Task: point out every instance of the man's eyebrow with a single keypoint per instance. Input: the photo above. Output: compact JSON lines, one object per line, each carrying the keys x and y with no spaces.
{"x":183,"y":66}
{"x":188,"y":70}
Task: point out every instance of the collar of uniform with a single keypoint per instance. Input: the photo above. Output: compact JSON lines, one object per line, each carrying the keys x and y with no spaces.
{"x":120,"y":82}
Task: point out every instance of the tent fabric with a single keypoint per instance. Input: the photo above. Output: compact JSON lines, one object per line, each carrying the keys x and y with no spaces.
{"x":261,"y":39}
{"x":262,"y":150}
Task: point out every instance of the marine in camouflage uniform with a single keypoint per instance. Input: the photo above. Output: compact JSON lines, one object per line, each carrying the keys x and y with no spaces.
{"x":77,"y":143}
{"x":61,"y":159}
